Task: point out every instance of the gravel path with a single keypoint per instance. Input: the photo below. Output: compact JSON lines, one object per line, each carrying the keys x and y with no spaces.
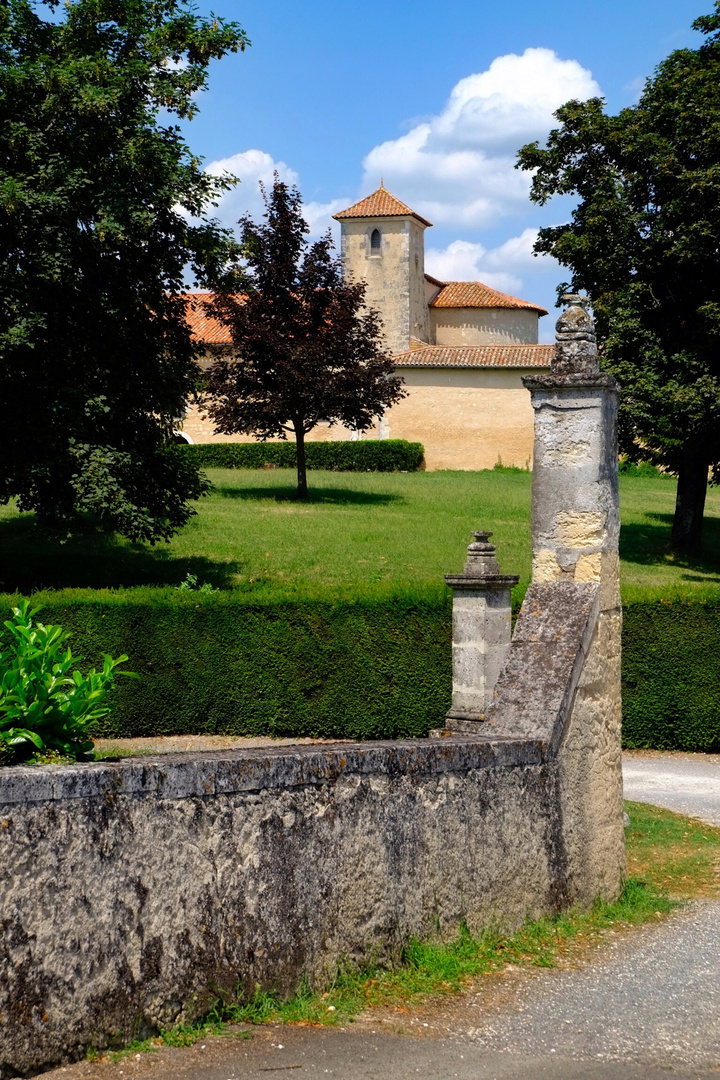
{"x":686,"y":783}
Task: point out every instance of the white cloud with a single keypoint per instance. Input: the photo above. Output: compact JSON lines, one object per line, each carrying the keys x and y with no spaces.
{"x":500,"y":267}
{"x":458,"y":167}
{"x":251,"y":167}
{"x":319,"y":217}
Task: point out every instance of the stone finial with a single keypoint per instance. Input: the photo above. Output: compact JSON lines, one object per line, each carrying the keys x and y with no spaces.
{"x":481,"y":559}
{"x":575,"y":345}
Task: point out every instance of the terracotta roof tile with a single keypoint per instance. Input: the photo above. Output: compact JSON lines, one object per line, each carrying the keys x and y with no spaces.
{"x":476,"y":356}
{"x":435,"y":281}
{"x":205,"y":329}
{"x":380,"y":204}
{"x":462,"y":294}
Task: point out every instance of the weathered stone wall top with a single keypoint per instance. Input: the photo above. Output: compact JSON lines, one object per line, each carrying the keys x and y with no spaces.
{"x":534,"y":695}
{"x":226,"y":772}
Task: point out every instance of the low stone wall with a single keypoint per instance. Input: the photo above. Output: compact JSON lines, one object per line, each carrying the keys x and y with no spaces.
{"x":134,"y":892}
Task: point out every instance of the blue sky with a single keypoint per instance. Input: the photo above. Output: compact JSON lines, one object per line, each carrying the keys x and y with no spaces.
{"x":434,"y":97}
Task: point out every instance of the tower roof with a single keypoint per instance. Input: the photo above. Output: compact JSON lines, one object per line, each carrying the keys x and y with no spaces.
{"x":380,"y":204}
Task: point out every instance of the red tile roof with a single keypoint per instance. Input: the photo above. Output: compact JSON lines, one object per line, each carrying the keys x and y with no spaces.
{"x":476,"y":356}
{"x":473,"y":294}
{"x":205,"y":329}
{"x":380,"y":204}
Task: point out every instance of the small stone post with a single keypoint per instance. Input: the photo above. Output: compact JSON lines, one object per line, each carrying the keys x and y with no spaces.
{"x":481,"y":632}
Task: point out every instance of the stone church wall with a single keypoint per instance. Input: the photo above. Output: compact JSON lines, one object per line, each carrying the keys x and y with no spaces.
{"x":465,"y":419}
{"x":483,"y":326}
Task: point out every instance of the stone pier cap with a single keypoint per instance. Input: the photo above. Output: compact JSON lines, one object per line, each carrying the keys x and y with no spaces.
{"x":481,"y":569}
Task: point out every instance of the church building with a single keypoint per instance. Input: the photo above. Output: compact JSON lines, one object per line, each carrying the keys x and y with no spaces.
{"x":460,"y":346}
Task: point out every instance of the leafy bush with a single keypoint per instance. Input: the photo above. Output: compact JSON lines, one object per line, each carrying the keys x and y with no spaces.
{"x":45,"y":706}
{"x":376,"y":455}
{"x":641,"y":468}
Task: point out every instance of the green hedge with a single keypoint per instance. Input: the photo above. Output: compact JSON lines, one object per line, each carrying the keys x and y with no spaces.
{"x":671,"y":675}
{"x":373,"y":455}
{"x":369,"y":666}
{"x":357,"y":668}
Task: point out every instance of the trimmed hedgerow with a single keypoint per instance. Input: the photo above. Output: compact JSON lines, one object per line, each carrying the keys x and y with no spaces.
{"x":364,"y":666}
{"x":376,"y":455}
{"x":671,"y":674}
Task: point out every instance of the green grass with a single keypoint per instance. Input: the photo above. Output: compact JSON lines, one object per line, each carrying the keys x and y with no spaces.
{"x":358,"y":529}
{"x":671,"y":858}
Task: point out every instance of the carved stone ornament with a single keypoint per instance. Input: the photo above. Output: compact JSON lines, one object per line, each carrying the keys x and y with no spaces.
{"x":576,"y":348}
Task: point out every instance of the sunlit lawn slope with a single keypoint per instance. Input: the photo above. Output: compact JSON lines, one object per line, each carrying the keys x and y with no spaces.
{"x":356,"y":530}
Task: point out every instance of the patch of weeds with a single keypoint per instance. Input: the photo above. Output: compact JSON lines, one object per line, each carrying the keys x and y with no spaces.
{"x":215,"y":1022}
{"x":140,"y":1046}
{"x":191,"y":583}
{"x":436,"y":968}
{"x":50,"y":757}
{"x":677,"y":855}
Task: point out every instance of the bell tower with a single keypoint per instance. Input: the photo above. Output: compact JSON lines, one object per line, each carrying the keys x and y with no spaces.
{"x":382,"y":244}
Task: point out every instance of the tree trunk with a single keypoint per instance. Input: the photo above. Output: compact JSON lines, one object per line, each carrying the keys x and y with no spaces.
{"x":690,"y":499}
{"x":302,"y":490}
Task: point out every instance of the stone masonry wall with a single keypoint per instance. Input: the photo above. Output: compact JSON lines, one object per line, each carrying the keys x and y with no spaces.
{"x":133,"y":892}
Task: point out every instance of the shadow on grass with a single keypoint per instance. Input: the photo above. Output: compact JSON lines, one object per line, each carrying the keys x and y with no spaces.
{"x":31,"y":560}
{"x":330,"y":496}
{"x":647,"y":543}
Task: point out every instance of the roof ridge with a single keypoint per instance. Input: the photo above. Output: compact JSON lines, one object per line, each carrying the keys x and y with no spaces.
{"x":459,"y":294}
{"x":380,"y":203}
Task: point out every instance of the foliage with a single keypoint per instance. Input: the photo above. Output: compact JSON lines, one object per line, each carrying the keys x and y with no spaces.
{"x":643,"y":243}
{"x":102,"y":208}
{"x":307,"y":351}
{"x":363,"y":664}
{"x":190,"y":583}
{"x":373,"y":455}
{"x":46,"y":704}
{"x":626,"y":467}
{"x":671,"y":675}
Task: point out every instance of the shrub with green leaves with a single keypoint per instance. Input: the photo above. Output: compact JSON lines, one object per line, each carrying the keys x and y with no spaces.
{"x":46,"y":705}
{"x":367,"y":455}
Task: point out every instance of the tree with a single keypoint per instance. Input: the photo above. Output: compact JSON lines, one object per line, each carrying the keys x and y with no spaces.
{"x":306,"y":350}
{"x":644,"y":243}
{"x":102,"y":207}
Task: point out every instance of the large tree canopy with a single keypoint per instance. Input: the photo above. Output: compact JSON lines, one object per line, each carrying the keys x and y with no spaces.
{"x":644,"y":243}
{"x":102,"y":208}
{"x":307,"y":350}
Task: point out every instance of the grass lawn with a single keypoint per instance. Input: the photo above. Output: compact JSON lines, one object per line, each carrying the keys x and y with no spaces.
{"x":357,"y":529}
{"x":671,"y":859}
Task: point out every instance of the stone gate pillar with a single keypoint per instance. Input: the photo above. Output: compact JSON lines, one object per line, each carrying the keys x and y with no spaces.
{"x":575,"y":534}
{"x":575,"y":514}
